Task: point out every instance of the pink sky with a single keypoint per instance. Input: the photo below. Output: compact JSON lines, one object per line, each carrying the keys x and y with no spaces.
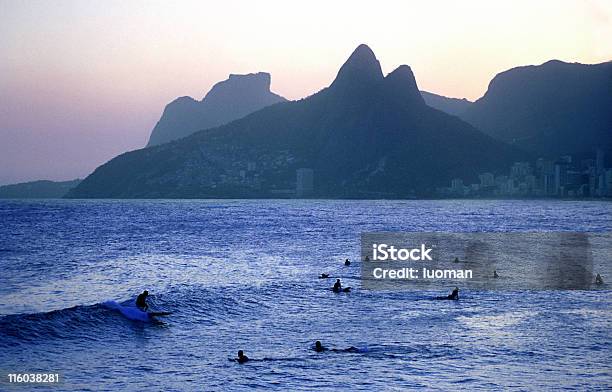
{"x":82,"y":81}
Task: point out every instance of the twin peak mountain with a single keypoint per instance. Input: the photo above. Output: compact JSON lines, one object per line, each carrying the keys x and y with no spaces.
{"x":365,"y":136}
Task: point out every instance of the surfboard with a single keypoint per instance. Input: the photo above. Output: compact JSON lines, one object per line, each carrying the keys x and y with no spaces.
{"x":153,"y":314}
{"x":342,"y":290}
{"x":134,"y":313}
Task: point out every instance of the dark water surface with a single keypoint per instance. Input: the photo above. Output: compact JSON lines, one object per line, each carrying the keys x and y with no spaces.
{"x":243,"y":275}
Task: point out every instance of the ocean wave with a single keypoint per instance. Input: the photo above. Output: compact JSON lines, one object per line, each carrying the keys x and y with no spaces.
{"x":77,"y":322}
{"x":189,"y":305}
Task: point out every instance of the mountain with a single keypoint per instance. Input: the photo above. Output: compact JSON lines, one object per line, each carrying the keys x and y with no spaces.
{"x":42,"y":189}
{"x":454,"y":106}
{"x":549,"y":110}
{"x":364,"y":136}
{"x":228,"y":100}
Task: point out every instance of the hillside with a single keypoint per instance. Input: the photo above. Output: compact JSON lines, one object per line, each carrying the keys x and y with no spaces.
{"x":365,"y":136}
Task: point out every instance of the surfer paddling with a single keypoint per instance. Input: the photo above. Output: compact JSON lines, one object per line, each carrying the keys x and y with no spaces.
{"x":454,"y":296}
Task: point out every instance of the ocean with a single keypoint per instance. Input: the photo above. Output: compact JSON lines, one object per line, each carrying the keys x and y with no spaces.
{"x":242,"y":275}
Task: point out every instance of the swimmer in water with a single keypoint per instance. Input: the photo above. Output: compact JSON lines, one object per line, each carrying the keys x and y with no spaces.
{"x":323,"y":276}
{"x":456,"y":259}
{"x":347,"y":262}
{"x":319,"y":347}
{"x":241,"y":357}
{"x":367,"y":258}
{"x":598,"y":279}
{"x":141,"y":301}
{"x":495,"y":274}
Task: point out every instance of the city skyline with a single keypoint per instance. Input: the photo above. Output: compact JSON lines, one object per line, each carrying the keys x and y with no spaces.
{"x":565,"y":177}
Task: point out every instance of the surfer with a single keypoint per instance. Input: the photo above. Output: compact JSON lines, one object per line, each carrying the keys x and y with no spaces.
{"x":454,"y":296}
{"x":337,"y":286}
{"x":141,"y":301}
{"x":495,"y":274}
{"x":319,"y":347}
{"x":241,"y":357}
{"x":347,"y":262}
{"x":456,"y":259}
{"x":598,"y":279}
{"x":323,"y":276}
{"x":367,"y":258}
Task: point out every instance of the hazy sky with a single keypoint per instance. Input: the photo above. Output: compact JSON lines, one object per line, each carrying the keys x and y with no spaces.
{"x":82,"y":81}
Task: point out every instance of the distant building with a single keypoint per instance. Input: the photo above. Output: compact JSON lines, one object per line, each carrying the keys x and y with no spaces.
{"x":510,"y":189}
{"x":599,"y":162}
{"x":501,"y":181}
{"x":545,"y":170}
{"x":531,"y":182}
{"x":519,"y":170}
{"x":486,"y":179}
{"x":560,"y":177}
{"x":304,"y":185}
{"x":606,"y":183}
{"x":457,"y":187}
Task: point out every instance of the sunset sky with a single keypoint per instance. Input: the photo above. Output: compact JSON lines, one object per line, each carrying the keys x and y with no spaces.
{"x":83,"y":81}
